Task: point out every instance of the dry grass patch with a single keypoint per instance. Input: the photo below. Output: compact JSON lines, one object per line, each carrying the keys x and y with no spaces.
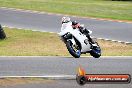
{"x":20,"y":81}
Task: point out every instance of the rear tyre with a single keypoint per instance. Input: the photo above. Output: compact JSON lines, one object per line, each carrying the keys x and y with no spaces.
{"x":96,"y":51}
{"x":72,"y":50}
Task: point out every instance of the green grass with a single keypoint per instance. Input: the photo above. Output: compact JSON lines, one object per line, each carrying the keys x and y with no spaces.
{"x":29,"y":43}
{"x":88,"y":8}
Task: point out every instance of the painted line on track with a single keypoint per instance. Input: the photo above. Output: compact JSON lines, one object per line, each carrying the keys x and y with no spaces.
{"x":53,"y":77}
{"x":113,"y":40}
{"x":11,"y":27}
{"x":64,"y":57}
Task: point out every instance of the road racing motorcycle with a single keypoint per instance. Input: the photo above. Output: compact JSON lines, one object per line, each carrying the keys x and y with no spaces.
{"x":77,"y":43}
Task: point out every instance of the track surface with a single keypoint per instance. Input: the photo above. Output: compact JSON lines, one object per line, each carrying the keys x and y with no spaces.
{"x":64,"y":66}
{"x":51,"y":23}
{"x":40,"y":66}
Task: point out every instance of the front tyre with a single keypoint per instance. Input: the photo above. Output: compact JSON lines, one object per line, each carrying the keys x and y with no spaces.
{"x":74,"y":51}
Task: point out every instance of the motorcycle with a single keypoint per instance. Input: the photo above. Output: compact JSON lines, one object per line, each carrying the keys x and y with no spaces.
{"x":77,"y":43}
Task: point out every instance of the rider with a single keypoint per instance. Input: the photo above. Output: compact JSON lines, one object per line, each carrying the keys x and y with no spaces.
{"x":83,"y":30}
{"x":76,"y":25}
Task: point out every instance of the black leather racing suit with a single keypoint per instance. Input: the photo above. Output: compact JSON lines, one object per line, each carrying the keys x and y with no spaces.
{"x":86,"y":32}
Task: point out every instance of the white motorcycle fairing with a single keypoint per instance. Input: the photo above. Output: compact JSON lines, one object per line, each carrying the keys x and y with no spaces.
{"x":67,"y":28}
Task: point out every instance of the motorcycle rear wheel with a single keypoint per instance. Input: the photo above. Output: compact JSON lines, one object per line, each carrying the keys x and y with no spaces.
{"x":96,"y":52}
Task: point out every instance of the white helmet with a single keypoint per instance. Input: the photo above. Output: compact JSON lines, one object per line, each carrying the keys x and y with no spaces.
{"x":65,"y":19}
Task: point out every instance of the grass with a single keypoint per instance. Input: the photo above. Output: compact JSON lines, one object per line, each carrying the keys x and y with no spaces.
{"x":29,"y":43}
{"x":89,"y":8}
{"x":20,"y":81}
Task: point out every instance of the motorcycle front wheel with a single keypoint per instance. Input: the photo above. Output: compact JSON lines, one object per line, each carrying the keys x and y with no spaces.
{"x":73,"y":50}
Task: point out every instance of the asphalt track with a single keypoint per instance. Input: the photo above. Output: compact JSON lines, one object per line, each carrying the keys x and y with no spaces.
{"x":119,"y":31}
{"x":42,"y":66}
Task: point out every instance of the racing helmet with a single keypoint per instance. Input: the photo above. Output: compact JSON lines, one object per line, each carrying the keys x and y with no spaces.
{"x":74,"y":22}
{"x":65,"y":20}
